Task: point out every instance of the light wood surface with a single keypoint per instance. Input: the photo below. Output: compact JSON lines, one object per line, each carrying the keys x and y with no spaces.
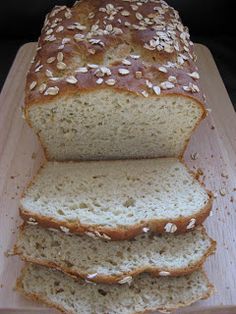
{"x":214,"y":141}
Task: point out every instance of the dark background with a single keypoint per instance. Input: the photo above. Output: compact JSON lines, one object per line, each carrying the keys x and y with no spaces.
{"x":210,"y":22}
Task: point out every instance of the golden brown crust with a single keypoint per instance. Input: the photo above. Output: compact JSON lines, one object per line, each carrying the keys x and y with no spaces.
{"x":152,"y":30}
{"x":112,"y":279}
{"x":39,"y":298}
{"x":120,"y":232}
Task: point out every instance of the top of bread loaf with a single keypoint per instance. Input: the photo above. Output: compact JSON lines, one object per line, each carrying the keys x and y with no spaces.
{"x":136,"y":46}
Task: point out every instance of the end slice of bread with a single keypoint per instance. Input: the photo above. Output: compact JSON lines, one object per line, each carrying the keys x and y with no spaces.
{"x":143,"y":294}
{"x":116,"y":199}
{"x":114,"y":261}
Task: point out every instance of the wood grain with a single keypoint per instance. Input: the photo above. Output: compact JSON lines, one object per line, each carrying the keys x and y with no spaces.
{"x":214,"y":141}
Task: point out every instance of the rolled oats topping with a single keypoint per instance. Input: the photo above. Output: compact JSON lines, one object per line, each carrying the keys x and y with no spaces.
{"x":145,"y":94}
{"x":71,"y":79}
{"x":134,"y":56}
{"x":60,"y":56}
{"x":33,"y":223}
{"x":65,"y":40}
{"x":125,"y":13}
{"x":164,"y":273}
{"x":126,"y":62}
{"x":52,"y":91}
{"x":49,"y":73}
{"x":156,"y":90}
{"x":61,"y":66}
{"x":172,"y":79}
{"x":138,"y":74}
{"x":92,"y":66}
{"x":91,"y":15}
{"x":170,"y":227}
{"x":186,"y":88}
{"x":167,"y":85}
{"x":123,"y":71}
{"x":60,"y":29}
{"x":160,"y":45}
{"x":191,"y":88}
{"x":42,"y":88}
{"x":91,"y":276}
{"x":149,"y":84}
{"x":38,"y":68}
{"x":64,"y":229}
{"x":99,"y":81}
{"x":191,"y":223}
{"x":82,"y":70}
{"x":127,"y":280}
{"x":51,"y":60}
{"x":32,"y":85}
{"x":163,"y":69}
{"x":110,"y":82}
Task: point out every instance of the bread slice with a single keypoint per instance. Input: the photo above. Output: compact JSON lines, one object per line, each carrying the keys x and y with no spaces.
{"x":122,"y":83}
{"x":110,"y":262}
{"x":116,"y":199}
{"x":143,"y":294}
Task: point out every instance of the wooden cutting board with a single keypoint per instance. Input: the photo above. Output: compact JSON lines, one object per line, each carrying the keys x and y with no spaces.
{"x":214,"y":143}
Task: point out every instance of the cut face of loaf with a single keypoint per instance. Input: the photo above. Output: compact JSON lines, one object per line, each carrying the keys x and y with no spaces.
{"x":112,"y":125}
{"x":116,"y":199}
{"x":144,"y":293}
{"x":115,"y":261}
{"x":114,"y":80}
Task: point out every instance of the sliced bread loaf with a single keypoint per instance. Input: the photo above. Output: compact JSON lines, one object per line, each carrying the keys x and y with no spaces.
{"x":116,"y":199}
{"x":121,"y":83}
{"x":144,"y":294}
{"x":116,"y":261}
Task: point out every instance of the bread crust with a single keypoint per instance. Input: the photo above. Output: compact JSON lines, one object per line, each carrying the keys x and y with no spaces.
{"x":128,"y":35}
{"x":39,"y":298}
{"x":113,"y":279}
{"x":181,"y":56}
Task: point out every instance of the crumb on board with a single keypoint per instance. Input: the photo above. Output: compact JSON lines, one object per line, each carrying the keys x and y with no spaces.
{"x":9,"y":253}
{"x":200,"y":171}
{"x":194,"y":156}
{"x":224,"y":174}
{"x":222,"y":192}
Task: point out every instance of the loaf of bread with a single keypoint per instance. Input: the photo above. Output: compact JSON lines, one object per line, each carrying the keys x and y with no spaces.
{"x":116,"y":199}
{"x":142,"y":295}
{"x":112,"y":80}
{"x":115,"y":261}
